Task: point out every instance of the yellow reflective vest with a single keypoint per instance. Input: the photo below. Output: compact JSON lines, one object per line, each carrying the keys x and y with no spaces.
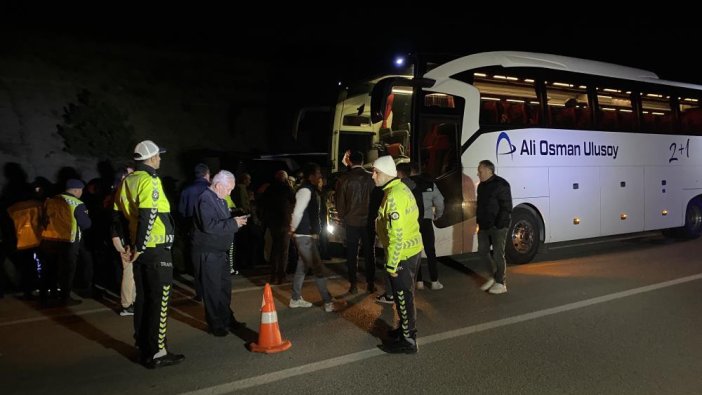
{"x":143,"y":203}
{"x":60,"y":220}
{"x":397,"y":224}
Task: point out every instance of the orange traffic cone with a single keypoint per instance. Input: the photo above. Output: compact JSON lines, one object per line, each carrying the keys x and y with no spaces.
{"x":269,"y":339}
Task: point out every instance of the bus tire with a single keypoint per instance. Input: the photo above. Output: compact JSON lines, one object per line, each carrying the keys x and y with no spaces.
{"x":523,"y":236}
{"x":693,"y":219}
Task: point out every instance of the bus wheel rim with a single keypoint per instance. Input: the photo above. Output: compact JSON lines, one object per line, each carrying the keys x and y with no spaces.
{"x":523,"y":236}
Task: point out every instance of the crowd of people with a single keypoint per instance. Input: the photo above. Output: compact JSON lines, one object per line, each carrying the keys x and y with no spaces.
{"x":129,"y":223}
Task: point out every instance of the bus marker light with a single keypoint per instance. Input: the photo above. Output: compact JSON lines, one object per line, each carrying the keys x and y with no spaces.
{"x":664,"y":212}
{"x":622,"y":216}
{"x":576,"y":221}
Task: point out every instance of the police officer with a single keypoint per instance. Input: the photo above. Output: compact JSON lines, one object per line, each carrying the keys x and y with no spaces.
{"x":65,"y":218}
{"x":397,"y":226}
{"x":143,"y":204}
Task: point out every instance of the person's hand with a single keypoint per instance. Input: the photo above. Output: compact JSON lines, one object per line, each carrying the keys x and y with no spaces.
{"x":125,"y":255}
{"x":392,"y":274}
{"x":346,"y":160}
{"x":241,"y":221}
{"x":135,"y":255}
{"x":117,"y":242}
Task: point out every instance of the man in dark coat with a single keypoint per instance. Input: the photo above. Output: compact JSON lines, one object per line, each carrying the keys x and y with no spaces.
{"x":213,"y":233}
{"x":186,"y":209}
{"x":493,"y":216}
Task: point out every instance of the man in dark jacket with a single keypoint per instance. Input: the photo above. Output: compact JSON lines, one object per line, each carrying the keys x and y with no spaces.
{"x":213,"y":233}
{"x":352,"y":196}
{"x":186,"y":209}
{"x":493,"y":216}
{"x":277,"y":203}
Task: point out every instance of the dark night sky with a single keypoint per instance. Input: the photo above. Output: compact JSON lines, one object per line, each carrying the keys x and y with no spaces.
{"x":345,"y":41}
{"x":310,"y":51}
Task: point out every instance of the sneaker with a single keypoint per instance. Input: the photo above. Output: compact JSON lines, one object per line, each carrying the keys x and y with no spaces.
{"x":498,"y":288}
{"x":385,"y":299}
{"x":436,"y":285}
{"x":295,"y":303}
{"x":488,"y":284}
{"x":127,"y":311}
{"x":420,"y":284}
{"x":329,"y":307}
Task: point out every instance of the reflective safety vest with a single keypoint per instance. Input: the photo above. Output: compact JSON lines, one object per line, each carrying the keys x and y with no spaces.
{"x":142,"y":191}
{"x":230,"y":202}
{"x":59,"y":219}
{"x":26,"y":216}
{"x":397,"y":225}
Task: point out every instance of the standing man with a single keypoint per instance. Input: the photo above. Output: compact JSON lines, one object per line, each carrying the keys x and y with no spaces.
{"x":352,"y":195}
{"x":26,"y":217}
{"x":143,"y":203}
{"x":277,"y":204}
{"x":186,"y":209}
{"x":213,"y":234}
{"x":493,"y":216}
{"x":432,"y":205}
{"x":397,"y":226}
{"x":305,"y":227}
{"x":65,"y":218}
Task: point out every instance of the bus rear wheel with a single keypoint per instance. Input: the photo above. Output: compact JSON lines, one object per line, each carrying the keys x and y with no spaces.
{"x":693,"y":219}
{"x":523,"y":236}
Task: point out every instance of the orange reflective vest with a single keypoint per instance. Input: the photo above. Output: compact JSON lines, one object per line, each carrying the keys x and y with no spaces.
{"x":26,"y":217}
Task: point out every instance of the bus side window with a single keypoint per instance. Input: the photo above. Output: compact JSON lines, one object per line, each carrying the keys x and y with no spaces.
{"x":488,"y":112}
{"x":691,"y":120}
{"x":516,"y":115}
{"x":608,"y":119}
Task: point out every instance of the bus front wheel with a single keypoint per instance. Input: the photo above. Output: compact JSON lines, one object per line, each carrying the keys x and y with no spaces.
{"x":523,"y":236}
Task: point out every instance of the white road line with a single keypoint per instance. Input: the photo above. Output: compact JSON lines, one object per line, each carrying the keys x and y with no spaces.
{"x":362,"y":355}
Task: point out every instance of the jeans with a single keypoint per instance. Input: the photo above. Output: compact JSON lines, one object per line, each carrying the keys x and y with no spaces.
{"x":495,"y":263}
{"x":308,"y":253}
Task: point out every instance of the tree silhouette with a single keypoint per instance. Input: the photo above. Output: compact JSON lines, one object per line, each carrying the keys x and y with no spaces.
{"x":95,"y":127}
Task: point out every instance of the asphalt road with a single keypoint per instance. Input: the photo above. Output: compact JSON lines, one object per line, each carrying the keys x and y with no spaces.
{"x":612,"y":317}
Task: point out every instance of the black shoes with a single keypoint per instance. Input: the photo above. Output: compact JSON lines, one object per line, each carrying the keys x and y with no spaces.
{"x":236,"y":325}
{"x":353,"y":290}
{"x":400,"y":346}
{"x":220,"y":332}
{"x":166,"y":360}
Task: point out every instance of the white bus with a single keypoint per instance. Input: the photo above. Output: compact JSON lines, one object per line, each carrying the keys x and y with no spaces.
{"x":590,"y":149}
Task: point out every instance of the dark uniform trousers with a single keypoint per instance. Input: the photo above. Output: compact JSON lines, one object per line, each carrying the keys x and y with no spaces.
{"x":216,"y":289}
{"x":153,"y":276}
{"x":59,"y":259}
{"x":403,"y":290}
